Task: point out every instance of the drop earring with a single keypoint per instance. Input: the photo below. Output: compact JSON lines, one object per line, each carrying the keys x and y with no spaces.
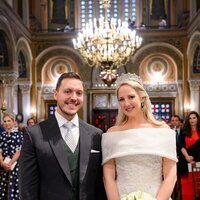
{"x":142,"y":104}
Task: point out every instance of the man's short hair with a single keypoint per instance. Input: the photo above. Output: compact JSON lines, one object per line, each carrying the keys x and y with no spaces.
{"x":176,"y":116}
{"x":68,"y":75}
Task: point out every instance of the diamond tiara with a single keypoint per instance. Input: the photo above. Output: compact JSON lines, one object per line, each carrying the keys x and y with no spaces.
{"x":128,"y":77}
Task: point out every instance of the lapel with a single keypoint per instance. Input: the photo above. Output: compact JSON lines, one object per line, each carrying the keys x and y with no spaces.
{"x":85,"y":148}
{"x":51,"y":130}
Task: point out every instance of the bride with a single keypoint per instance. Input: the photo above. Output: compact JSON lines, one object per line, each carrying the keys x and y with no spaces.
{"x":139,"y":152}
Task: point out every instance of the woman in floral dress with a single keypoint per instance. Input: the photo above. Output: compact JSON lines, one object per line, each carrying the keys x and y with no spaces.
{"x":10,"y":145}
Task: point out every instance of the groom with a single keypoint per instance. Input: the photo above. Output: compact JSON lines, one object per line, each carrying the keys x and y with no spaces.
{"x":58,"y":162}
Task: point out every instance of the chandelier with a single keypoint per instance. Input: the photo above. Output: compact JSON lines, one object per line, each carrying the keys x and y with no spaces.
{"x":107,"y":43}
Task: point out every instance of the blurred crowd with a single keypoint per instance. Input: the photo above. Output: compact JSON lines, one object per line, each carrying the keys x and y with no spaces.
{"x":188,"y":153}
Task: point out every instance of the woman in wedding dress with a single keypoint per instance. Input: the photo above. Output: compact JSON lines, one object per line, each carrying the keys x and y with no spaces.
{"x":139,"y":152}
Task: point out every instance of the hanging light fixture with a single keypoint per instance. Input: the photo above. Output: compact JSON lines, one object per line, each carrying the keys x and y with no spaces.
{"x":108,"y":76}
{"x":107,"y":43}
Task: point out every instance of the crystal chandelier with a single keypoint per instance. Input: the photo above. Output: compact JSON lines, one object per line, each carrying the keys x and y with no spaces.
{"x":107,"y":43}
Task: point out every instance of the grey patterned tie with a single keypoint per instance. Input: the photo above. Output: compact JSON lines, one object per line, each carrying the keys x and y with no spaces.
{"x":69,"y":137}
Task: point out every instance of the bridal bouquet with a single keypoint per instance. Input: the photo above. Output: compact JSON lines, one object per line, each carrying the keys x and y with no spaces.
{"x":137,"y":196}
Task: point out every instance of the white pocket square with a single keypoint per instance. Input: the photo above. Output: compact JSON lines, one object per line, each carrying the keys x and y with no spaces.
{"x":94,"y":151}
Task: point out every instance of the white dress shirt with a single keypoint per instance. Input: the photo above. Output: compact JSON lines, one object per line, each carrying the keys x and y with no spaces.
{"x":75,"y":129}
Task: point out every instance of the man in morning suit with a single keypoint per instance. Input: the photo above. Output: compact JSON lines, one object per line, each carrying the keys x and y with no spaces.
{"x":176,"y":126}
{"x":58,"y":162}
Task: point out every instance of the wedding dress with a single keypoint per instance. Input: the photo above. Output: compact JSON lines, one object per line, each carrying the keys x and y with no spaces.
{"x":138,"y":154}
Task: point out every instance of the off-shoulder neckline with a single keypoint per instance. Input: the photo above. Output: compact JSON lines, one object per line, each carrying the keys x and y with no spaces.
{"x":140,"y":128}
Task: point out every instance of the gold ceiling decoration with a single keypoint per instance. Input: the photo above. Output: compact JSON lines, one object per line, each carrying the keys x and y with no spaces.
{"x":105,"y":43}
{"x":108,"y":44}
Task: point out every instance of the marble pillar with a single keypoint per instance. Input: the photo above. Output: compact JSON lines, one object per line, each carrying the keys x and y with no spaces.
{"x":8,"y":80}
{"x":26,"y":100}
{"x":195,"y":95}
{"x":26,"y":12}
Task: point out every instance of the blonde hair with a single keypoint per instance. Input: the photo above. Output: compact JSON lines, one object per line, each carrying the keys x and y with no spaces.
{"x":12,"y":116}
{"x":121,"y":117}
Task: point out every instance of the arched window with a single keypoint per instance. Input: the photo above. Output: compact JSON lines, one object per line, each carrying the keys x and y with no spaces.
{"x":90,"y":9}
{"x":129,"y":10}
{"x":22,"y":65}
{"x":196,"y":61}
{"x":3,"y":51}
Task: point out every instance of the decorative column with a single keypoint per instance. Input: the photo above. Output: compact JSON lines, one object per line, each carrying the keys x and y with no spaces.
{"x":26,"y":12}
{"x":195,"y":95}
{"x":192,"y":9}
{"x":8,"y":80}
{"x":26,"y":100}
{"x":10,"y":2}
{"x":15,"y":99}
{"x":38,"y":113}
{"x":85,"y":103}
{"x":180,"y":97}
{"x":43,"y":14}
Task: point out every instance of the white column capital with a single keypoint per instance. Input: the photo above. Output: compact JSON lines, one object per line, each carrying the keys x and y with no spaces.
{"x":195,"y":94}
{"x":8,"y":78}
{"x":194,"y":85}
{"x":25,"y":86}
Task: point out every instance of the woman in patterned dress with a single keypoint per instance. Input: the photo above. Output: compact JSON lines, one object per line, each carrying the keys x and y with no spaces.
{"x":10,"y":145}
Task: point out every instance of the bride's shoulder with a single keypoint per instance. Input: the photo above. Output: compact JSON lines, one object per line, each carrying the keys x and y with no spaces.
{"x":164,"y":125}
{"x":160,"y":125}
{"x":113,"y":129}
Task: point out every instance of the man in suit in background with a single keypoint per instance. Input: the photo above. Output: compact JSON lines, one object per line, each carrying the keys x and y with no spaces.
{"x":58,"y":162}
{"x":175,"y":124}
